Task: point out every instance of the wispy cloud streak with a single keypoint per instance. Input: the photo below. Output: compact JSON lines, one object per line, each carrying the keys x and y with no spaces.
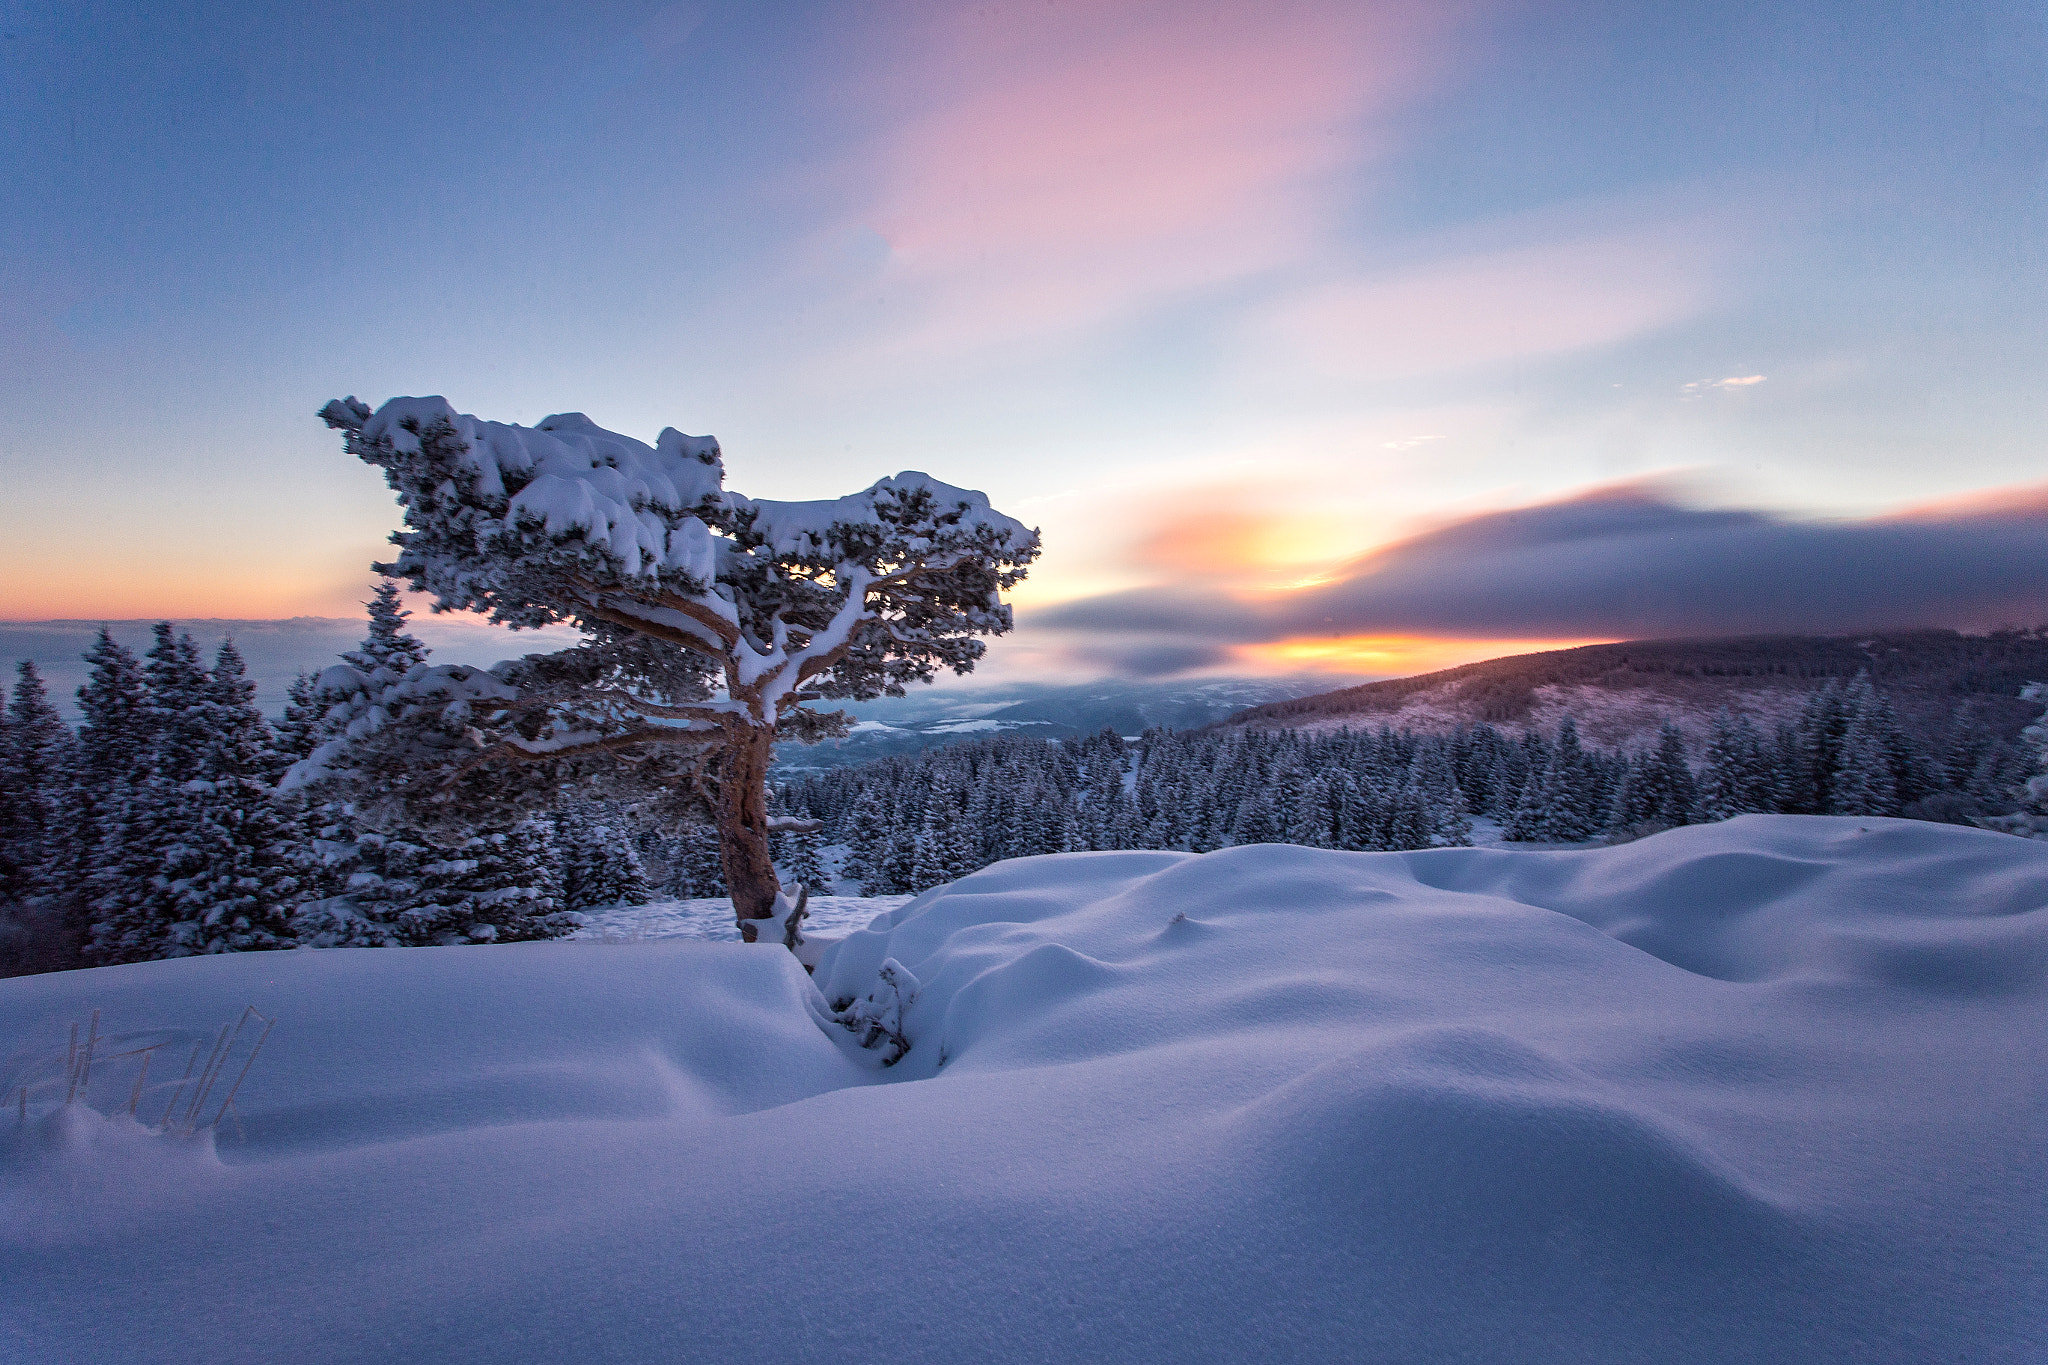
{"x":1069,"y":173}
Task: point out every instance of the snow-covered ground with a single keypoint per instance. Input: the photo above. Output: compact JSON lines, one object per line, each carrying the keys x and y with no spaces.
{"x":829,"y":917}
{"x":1769,"y":1090}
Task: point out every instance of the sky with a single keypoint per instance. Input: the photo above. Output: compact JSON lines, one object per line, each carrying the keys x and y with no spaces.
{"x":1356,"y":337}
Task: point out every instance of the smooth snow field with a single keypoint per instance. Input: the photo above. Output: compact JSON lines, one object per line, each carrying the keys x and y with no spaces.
{"x":1765,"y":1090}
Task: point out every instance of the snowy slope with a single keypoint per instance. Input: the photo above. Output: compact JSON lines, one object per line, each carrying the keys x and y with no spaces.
{"x":1765,"y":1090}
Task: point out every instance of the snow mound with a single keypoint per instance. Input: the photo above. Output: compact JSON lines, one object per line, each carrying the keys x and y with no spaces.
{"x":1764,"y":1090}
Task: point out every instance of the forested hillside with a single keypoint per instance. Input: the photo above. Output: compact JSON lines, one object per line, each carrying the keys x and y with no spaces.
{"x":1622,"y":694}
{"x":911,"y":823}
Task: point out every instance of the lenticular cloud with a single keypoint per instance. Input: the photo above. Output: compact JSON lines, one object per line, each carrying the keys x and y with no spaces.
{"x":1624,"y":563}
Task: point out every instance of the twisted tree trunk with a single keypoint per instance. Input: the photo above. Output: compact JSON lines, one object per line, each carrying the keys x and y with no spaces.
{"x":744,"y":853}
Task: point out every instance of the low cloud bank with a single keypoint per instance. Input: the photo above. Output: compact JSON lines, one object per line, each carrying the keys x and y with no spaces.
{"x":1617,"y":564}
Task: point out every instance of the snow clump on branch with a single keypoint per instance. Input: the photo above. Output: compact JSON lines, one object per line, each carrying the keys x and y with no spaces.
{"x":713,"y":617}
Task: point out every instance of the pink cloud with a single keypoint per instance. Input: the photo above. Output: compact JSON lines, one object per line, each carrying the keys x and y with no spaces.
{"x":1485,"y":308}
{"x":1072,"y":169}
{"x":2025,"y":500}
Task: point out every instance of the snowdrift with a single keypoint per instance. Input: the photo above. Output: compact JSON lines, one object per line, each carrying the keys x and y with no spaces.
{"x":1764,"y":1090}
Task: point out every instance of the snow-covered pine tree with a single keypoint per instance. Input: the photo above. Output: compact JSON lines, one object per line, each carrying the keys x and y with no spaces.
{"x":1996,"y":776}
{"x":700,"y":868}
{"x":180,"y":706}
{"x":1529,"y":819}
{"x":297,"y":732}
{"x":713,"y":618}
{"x":1811,"y":768}
{"x":1663,"y":792}
{"x":1531,"y":815}
{"x":2030,"y":821}
{"x":1411,"y":823}
{"x":1365,"y":820}
{"x":804,"y":866}
{"x":928,"y":863}
{"x":1565,"y":809}
{"x":1047,"y":809}
{"x":38,"y":758}
{"x":114,"y":736}
{"x":388,"y":651}
{"x":1436,"y":791}
{"x":38,"y":802}
{"x":598,"y":863}
{"x":198,"y":858}
{"x":498,"y":886}
{"x":113,"y":748}
{"x":462,"y":877}
{"x":1259,"y":822}
{"x":1863,"y":782}
{"x":368,"y":876}
{"x":1968,"y":740}
{"x":244,"y":861}
{"x":135,"y":911}
{"x":1737,"y":779}
{"x":867,"y":833}
{"x":897,"y":876}
{"x":1629,"y":808}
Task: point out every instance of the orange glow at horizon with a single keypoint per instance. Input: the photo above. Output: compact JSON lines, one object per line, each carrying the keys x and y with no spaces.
{"x":1209,"y":542}
{"x":187,"y":593}
{"x":1394,"y":655}
{"x":2010,"y":500}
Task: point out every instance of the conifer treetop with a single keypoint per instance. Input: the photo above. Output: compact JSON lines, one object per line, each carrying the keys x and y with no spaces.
{"x":568,"y":522}
{"x":713,"y":618}
{"x":705,"y":608}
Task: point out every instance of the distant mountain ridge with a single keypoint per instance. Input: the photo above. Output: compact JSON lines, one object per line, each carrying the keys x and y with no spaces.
{"x":1621,"y":693}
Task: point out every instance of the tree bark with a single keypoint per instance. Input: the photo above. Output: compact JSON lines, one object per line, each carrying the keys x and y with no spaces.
{"x":743,"y":826}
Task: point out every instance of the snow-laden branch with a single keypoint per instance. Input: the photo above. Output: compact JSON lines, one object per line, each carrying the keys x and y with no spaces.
{"x":708,"y":612}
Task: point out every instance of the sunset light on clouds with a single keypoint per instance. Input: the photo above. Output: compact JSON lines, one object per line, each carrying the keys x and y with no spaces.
{"x":1265,"y":313}
{"x":1072,"y":175}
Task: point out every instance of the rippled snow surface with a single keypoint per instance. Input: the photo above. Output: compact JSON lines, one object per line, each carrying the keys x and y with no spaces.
{"x":1769,"y":1090}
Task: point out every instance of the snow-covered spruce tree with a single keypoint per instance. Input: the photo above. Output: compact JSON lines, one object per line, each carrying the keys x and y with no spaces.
{"x":1658,"y":790}
{"x":247,"y":859}
{"x":2030,"y":821}
{"x":297,"y":732}
{"x":389,"y":881}
{"x":134,"y":912}
{"x":493,"y":886}
{"x":496,"y":887}
{"x":691,"y":862}
{"x":38,"y":783}
{"x":1738,"y":779}
{"x":37,"y":755}
{"x":802,"y":862}
{"x":598,"y":863}
{"x":197,"y":858}
{"x":113,"y":748}
{"x":714,"y":618}
{"x":114,"y":735}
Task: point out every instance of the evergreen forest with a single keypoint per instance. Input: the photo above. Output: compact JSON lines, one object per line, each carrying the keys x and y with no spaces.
{"x":156,"y":828}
